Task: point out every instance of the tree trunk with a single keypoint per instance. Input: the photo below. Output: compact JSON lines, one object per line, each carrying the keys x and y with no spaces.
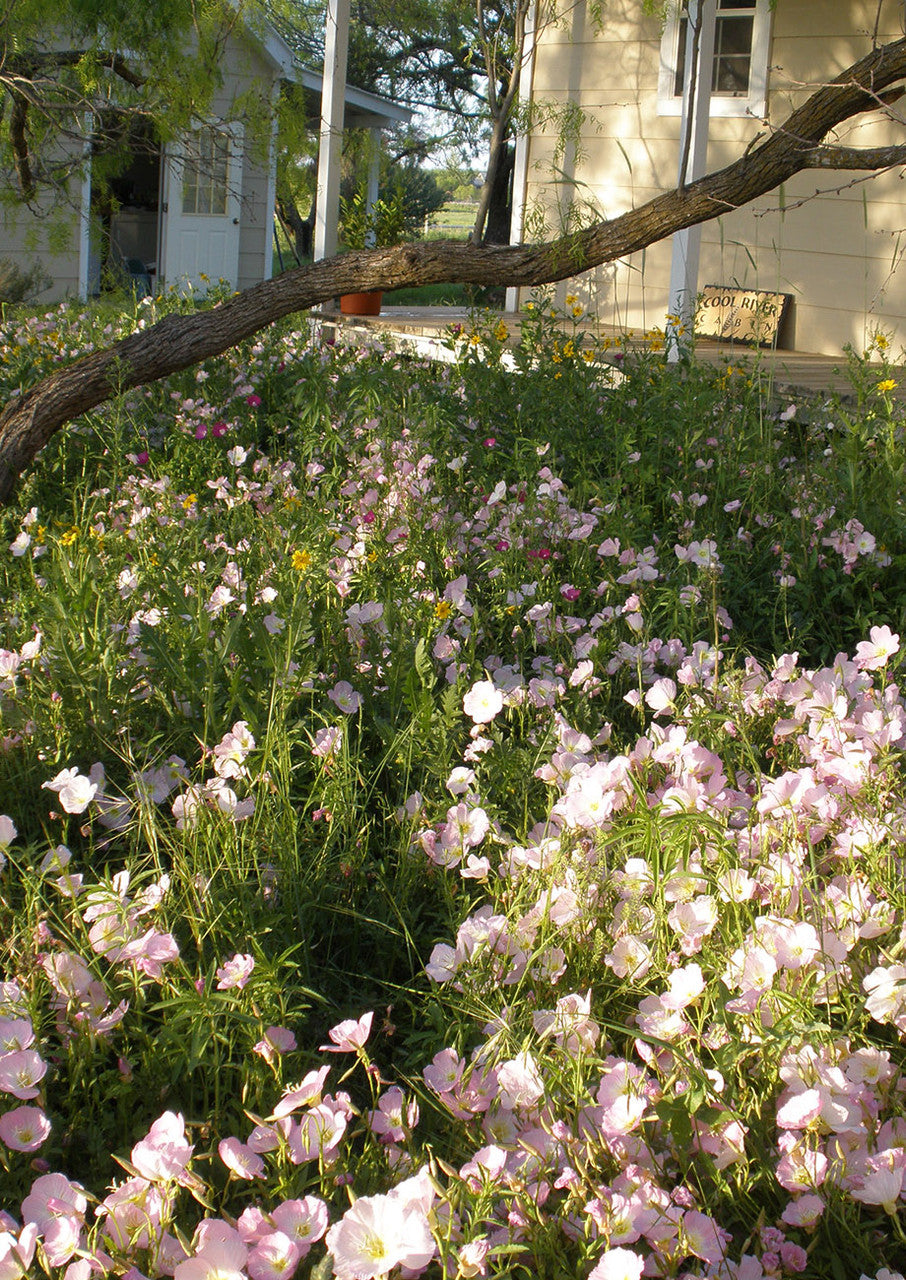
{"x":299,"y":230}
{"x":496,"y":161}
{"x":28,"y":421}
{"x":500,"y":205}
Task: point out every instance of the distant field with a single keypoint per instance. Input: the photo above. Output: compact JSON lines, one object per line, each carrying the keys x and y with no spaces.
{"x":453,"y":219}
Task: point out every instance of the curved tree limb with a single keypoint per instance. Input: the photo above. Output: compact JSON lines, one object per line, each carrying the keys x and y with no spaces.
{"x":28,"y":421}
{"x":873,"y":158}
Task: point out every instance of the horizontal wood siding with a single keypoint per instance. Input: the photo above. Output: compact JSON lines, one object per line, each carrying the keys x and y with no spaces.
{"x":838,"y":254}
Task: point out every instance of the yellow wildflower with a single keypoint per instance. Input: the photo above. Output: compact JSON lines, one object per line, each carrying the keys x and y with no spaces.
{"x":501,"y":332}
{"x":442,"y":610}
{"x":301,"y":561}
{"x":887,"y":385}
{"x":69,"y":536}
{"x":189,"y":500}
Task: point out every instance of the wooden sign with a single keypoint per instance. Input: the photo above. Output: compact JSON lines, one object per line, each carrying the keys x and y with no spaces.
{"x":743,"y":315}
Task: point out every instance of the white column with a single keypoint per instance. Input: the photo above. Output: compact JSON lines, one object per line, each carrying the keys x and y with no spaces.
{"x":693,"y":160}
{"x":333,"y":98}
{"x":85,"y":211}
{"x":270,"y":198}
{"x":520,"y":162}
{"x":374,"y":176}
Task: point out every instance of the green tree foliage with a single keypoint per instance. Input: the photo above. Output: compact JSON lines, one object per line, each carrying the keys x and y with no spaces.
{"x":80,"y":74}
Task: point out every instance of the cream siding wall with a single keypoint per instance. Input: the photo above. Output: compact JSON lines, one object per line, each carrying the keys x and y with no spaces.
{"x":836,"y":254}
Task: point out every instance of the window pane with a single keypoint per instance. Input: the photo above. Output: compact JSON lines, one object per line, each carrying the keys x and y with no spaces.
{"x":680,"y":77}
{"x":220,"y":156}
{"x":732,"y":56}
{"x":205,"y":173}
{"x":733,"y":34}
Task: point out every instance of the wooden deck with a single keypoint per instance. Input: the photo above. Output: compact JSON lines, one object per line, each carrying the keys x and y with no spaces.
{"x":787,"y":373}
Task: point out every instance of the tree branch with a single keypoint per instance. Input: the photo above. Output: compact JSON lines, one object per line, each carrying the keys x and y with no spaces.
{"x":43,"y":62}
{"x":876,"y":158}
{"x":18,"y":120}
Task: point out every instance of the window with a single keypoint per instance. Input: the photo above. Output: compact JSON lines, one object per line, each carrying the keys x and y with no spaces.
{"x":739,"y":71}
{"x":205,"y":173}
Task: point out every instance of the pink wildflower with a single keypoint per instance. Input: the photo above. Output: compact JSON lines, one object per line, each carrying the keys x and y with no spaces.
{"x":163,"y":1155}
{"x":273,"y":1257}
{"x":240,"y":1160}
{"x":306,"y":1092}
{"x":304,"y":1221}
{"x":235,"y":973}
{"x":21,"y":1072}
{"x":618,"y":1264}
{"x":483,"y":702}
{"x":345,"y":697}
{"x":377,"y":1234}
{"x":872,"y":654}
{"x":216,"y":1259}
{"x":24,"y":1128}
{"x":349,"y":1036}
{"x":75,"y":790}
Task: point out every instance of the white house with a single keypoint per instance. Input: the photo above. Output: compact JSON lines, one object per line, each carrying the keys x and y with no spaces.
{"x":190,"y":212}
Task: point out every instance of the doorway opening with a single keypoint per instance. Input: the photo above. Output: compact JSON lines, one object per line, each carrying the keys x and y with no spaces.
{"x":125,"y":209}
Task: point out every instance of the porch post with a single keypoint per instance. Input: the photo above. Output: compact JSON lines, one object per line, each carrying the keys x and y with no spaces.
{"x":271,"y":197}
{"x":683,"y":295}
{"x":374,"y":177}
{"x":85,"y":213}
{"x":520,"y":162}
{"x":333,"y":98}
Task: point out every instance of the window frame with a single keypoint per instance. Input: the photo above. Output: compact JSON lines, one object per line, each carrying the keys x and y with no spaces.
{"x":754,"y":103}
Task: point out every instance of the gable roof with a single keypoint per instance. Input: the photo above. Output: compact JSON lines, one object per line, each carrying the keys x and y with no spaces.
{"x":363,"y":110}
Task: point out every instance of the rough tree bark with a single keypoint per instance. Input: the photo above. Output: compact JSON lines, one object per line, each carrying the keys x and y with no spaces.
{"x":28,"y":421}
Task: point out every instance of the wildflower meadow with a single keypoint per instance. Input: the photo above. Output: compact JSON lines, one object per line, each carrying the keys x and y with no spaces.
{"x":452,"y":816}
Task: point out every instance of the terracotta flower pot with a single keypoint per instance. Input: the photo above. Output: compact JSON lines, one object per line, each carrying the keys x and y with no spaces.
{"x":361,"y":304}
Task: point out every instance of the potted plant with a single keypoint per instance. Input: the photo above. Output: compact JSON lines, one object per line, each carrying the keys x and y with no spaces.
{"x":370,"y":227}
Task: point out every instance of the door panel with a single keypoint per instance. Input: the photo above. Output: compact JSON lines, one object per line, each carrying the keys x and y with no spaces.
{"x":203,"y":208}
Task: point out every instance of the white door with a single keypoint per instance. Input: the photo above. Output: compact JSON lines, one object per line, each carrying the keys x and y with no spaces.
{"x":202,"y":209}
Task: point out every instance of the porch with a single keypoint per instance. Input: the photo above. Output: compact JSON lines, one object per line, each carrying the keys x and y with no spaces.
{"x":785,"y":373}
